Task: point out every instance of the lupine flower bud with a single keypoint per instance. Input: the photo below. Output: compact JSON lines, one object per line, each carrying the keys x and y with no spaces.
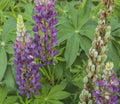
{"x":104,"y":57}
{"x":109,"y":66}
{"x":90,"y":102}
{"x":89,"y":63}
{"x":89,"y":75}
{"x":103,"y":49}
{"x":99,"y":38}
{"x":108,"y":29}
{"x":85,"y":80}
{"x":27,"y":75}
{"x":99,"y":58}
{"x":107,"y":35}
{"x":95,"y":54}
{"x":93,"y":68}
{"x":98,"y":68}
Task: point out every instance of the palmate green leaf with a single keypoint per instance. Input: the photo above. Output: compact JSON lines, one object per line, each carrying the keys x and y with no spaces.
{"x":3,"y":94}
{"x":54,"y":95}
{"x":77,"y":23}
{"x":66,"y":30}
{"x":71,"y":49}
{"x":63,"y":35}
{"x":88,"y":29}
{"x":3,"y":63}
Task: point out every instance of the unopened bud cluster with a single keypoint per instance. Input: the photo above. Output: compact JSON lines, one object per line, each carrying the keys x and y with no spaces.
{"x":97,"y":56}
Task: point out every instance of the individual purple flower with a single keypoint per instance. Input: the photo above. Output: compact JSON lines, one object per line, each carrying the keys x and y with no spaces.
{"x":45,"y":36}
{"x":101,"y":82}
{"x":27,"y":75}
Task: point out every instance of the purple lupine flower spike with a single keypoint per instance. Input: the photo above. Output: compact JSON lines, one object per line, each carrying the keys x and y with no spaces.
{"x":27,"y":75}
{"x":108,"y":90}
{"x":45,"y":36}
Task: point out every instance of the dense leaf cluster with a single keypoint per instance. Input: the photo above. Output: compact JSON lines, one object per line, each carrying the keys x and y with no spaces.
{"x":62,"y":83}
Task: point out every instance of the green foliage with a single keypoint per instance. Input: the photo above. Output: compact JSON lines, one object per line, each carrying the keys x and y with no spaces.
{"x":3,"y":63}
{"x":3,"y":96}
{"x":71,"y":50}
{"x":10,"y":100}
{"x":73,"y":29}
{"x":3,"y":93}
{"x":54,"y":95}
{"x":62,"y":83}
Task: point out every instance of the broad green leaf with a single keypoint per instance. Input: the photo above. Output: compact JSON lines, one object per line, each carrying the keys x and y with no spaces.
{"x":76,"y":23}
{"x":59,"y":70}
{"x":71,"y":49}
{"x":84,"y":14}
{"x":59,"y":95}
{"x":85,"y":43}
{"x":3,"y":94}
{"x":56,"y":89}
{"x":9,"y":26}
{"x":28,"y":12}
{"x":55,"y":94}
{"x":88,"y":29}
{"x":9,"y":48}
{"x":63,"y":35}
{"x":9,"y":79}
{"x":39,"y":101}
{"x":113,"y":56}
{"x":114,"y":44}
{"x":10,"y":100}
{"x":3,"y":63}
{"x":55,"y":102}
{"x":73,"y":16}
